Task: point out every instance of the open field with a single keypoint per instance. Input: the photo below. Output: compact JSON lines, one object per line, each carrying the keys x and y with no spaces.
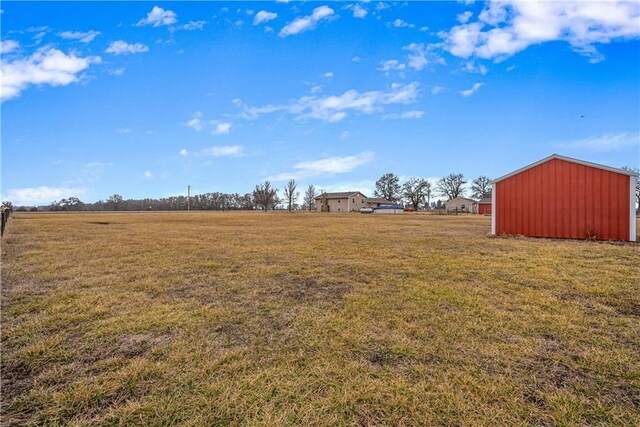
{"x":311,"y":319}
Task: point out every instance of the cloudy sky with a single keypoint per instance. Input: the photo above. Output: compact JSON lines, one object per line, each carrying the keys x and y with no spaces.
{"x":144,"y":98}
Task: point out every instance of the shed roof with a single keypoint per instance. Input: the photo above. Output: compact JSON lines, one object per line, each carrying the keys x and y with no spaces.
{"x":379,"y":200}
{"x":566,"y":159}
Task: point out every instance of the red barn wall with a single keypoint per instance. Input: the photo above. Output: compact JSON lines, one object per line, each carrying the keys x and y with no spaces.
{"x":484,"y":208}
{"x":563,"y":199}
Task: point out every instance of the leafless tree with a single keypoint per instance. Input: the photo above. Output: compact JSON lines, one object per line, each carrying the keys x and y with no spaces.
{"x":115,"y":202}
{"x":428,"y":192}
{"x":266,"y":196}
{"x":388,"y":187}
{"x":290,"y":193}
{"x":310,"y":197}
{"x":451,"y":185}
{"x":479,"y":186}
{"x":415,"y":191}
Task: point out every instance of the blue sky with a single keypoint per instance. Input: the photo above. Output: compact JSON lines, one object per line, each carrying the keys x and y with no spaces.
{"x":144,"y":98}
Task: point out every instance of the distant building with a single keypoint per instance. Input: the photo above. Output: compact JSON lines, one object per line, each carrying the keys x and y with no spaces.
{"x":374,"y":202}
{"x":484,"y":205}
{"x":347,"y":201}
{"x":462,"y":204}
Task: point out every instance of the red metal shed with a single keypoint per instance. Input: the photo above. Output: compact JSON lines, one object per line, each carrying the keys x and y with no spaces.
{"x":561,"y":197}
{"x":484,"y":205}
{"x":484,"y":208}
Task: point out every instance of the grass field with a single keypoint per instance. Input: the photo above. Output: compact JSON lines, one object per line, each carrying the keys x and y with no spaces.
{"x":313,"y":319}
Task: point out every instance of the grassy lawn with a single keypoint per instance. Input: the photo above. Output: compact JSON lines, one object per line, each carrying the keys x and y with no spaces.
{"x":313,"y":319}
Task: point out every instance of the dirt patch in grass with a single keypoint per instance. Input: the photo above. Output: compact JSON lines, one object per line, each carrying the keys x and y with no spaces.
{"x":136,"y":345}
{"x":308,"y":290}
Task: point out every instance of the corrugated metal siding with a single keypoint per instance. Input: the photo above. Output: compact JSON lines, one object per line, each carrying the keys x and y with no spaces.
{"x":564,"y":200}
{"x":484,"y":208}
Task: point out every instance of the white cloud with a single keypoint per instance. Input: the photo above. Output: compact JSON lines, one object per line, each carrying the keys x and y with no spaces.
{"x":328,"y":74}
{"x":195,"y":122}
{"x":7,"y":46}
{"x":117,"y":71}
{"x":606,"y":142}
{"x":97,"y":165}
{"x":305,"y":23}
{"x":334,"y":108}
{"x":158,"y":17}
{"x":41,"y":195}
{"x":316,"y":89}
{"x":193,"y":25}
{"x":222,"y":128}
{"x":148,"y":175}
{"x":420,"y":56}
{"x":264,"y":16}
{"x":438,"y":89}
{"x":472,"y":67}
{"x":356,"y":59}
{"x":464,"y":17}
{"x":472,"y":90}
{"x":399,"y":23}
{"x":407,"y":115}
{"x":124,"y":131}
{"x":223,"y":150}
{"x":505,"y":28}
{"x":184,"y":152}
{"x":46,"y":66}
{"x":120,"y":47}
{"x":326,"y":166}
{"x":391,"y":65}
{"x":359,"y":11}
{"x":86,"y":37}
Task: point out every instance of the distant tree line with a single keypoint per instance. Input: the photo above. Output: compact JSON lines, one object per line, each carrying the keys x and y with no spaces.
{"x":415,"y":192}
{"x":418,"y":192}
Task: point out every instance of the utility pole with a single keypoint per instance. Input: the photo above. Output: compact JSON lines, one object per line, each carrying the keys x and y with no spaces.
{"x":188,"y":197}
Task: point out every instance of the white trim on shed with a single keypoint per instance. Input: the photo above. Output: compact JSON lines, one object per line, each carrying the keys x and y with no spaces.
{"x":493,"y":208}
{"x":632,"y":208}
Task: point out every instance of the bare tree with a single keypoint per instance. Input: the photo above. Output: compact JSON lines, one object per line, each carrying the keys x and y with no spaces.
{"x":451,"y":185}
{"x":115,"y":202}
{"x":415,"y":191}
{"x":635,"y":170}
{"x":310,"y":197}
{"x":290,"y":193}
{"x":479,"y":186}
{"x":428,"y":192}
{"x":266,"y":196}
{"x":388,"y":187}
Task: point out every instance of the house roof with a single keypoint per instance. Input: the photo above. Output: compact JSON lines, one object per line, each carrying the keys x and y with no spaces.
{"x":339,"y":195}
{"x":379,"y":200}
{"x":566,"y":159}
{"x":462,"y":198}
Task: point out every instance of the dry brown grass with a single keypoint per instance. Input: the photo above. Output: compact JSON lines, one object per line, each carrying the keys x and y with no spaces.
{"x":313,"y":319}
